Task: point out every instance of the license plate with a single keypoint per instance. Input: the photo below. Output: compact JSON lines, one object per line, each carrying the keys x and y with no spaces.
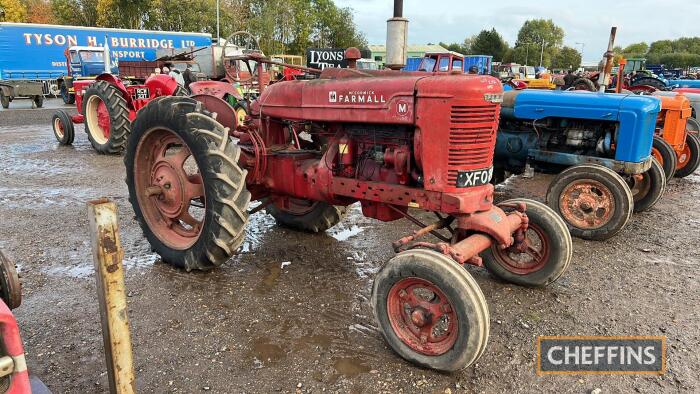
{"x":474,"y":177}
{"x":141,"y":93}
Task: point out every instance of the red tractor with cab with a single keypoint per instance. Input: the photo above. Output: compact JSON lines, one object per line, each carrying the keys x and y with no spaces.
{"x":394,"y":142}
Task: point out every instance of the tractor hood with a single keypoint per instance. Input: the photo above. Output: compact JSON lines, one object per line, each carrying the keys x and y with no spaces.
{"x":360,"y":97}
{"x":684,"y":83}
{"x":636,"y":115}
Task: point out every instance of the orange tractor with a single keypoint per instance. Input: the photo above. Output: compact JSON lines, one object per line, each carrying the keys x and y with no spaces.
{"x":677,"y":150}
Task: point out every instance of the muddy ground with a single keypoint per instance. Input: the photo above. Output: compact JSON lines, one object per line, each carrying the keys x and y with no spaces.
{"x":258,"y":325}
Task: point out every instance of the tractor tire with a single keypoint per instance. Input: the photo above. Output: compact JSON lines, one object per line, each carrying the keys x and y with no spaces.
{"x":63,"y":128}
{"x":649,"y":81}
{"x":10,"y":286}
{"x":693,"y":126}
{"x":106,"y":118}
{"x":689,"y":159}
{"x":663,"y":152}
{"x":549,"y":253}
{"x":584,"y":84}
{"x":418,"y":281}
{"x":594,"y":201}
{"x":305,"y":215}
{"x":181,"y":92}
{"x":68,"y":98}
{"x":4,"y":100}
{"x":647,"y":188}
{"x":38,"y":101}
{"x":180,"y":123}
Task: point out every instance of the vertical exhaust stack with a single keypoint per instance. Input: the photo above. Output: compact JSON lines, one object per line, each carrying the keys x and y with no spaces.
{"x":609,"y":56}
{"x":396,"y":38}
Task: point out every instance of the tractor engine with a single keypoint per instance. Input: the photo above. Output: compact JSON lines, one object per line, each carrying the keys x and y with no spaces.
{"x":573,"y":136}
{"x":382,"y":138}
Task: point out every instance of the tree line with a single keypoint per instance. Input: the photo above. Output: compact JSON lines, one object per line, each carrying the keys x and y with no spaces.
{"x":683,"y":52}
{"x":537,"y":38}
{"x":282,"y":26}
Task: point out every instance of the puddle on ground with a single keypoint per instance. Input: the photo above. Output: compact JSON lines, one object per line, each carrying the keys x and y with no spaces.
{"x":263,"y":351}
{"x":86,"y":270}
{"x":349,"y":367}
{"x":44,"y":197}
{"x":343,"y":233}
{"x":270,"y":280}
{"x":259,"y":224}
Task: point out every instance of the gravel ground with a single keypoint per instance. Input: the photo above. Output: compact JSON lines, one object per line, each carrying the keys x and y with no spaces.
{"x":256,"y":325}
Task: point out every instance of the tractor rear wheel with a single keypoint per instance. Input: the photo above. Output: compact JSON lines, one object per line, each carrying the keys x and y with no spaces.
{"x":4,"y":100}
{"x":185,"y":184}
{"x":689,"y":159}
{"x":106,"y":117}
{"x":648,"y":81}
{"x":548,"y":254}
{"x":648,"y":187}
{"x":10,"y":286}
{"x":67,"y":96}
{"x":305,"y":215}
{"x":63,"y":128}
{"x":594,"y":201}
{"x":663,"y":152}
{"x":693,"y":126}
{"x":430,"y":310}
{"x":584,"y":84}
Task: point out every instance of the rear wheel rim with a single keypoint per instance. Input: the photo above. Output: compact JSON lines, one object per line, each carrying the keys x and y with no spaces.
{"x":657,"y":155}
{"x":98,"y":119}
{"x":587,"y":204}
{"x":531,"y":258}
{"x":167,"y":182}
{"x":422,"y":317}
{"x":58,"y":128}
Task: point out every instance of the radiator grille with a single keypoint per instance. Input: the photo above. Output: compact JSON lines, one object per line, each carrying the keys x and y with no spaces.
{"x":472,"y":139}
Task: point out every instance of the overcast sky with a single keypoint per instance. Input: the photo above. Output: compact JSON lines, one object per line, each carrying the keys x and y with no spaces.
{"x":453,"y":20}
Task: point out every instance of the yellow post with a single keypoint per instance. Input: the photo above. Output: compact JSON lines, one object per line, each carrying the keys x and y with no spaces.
{"x":111,"y":293}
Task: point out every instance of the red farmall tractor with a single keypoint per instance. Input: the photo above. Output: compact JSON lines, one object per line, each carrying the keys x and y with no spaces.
{"x":107,"y":105}
{"x":395,"y":142}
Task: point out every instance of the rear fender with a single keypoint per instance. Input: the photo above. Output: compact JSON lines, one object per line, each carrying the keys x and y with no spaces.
{"x":215,"y":88}
{"x":161,"y":85}
{"x":114,"y":80}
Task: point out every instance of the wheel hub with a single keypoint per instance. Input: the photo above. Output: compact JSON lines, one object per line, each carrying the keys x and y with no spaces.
{"x":587,"y":204}
{"x":421,"y":316}
{"x":170,"y":200}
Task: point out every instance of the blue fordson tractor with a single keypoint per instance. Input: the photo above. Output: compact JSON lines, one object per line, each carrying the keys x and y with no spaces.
{"x":599,"y":145}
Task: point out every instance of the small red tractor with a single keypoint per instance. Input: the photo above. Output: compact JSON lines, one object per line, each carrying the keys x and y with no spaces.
{"x":107,"y":105}
{"x":396,"y":142}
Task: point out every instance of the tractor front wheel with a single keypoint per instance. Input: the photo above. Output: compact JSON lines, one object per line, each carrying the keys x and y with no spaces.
{"x":185,"y":184}
{"x":106,"y":118}
{"x":63,"y":128}
{"x":594,"y":201}
{"x":430,"y":310}
{"x":693,"y":126}
{"x":663,"y":152}
{"x":689,"y":159}
{"x":648,"y":187}
{"x":548,"y":253}
{"x":305,"y":215}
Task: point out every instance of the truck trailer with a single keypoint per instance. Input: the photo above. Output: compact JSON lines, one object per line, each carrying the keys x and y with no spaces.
{"x":36,"y":52}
